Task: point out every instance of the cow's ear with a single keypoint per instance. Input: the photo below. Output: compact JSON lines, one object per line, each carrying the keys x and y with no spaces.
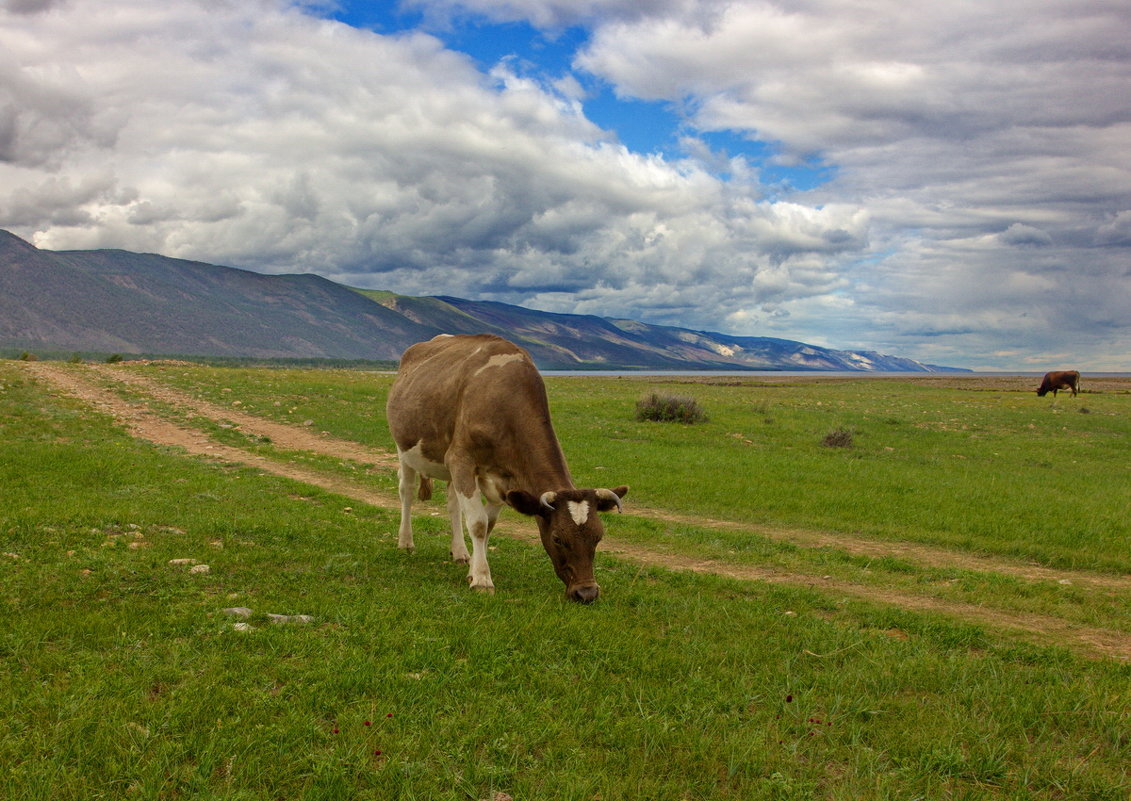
{"x":608,"y":500}
{"x":525,"y":503}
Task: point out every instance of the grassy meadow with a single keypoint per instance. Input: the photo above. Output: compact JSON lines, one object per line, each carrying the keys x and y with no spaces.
{"x":122,"y":677}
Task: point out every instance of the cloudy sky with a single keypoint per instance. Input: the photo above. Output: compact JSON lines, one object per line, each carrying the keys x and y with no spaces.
{"x":945,"y":181}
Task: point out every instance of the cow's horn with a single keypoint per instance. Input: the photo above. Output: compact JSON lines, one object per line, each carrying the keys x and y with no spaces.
{"x":548,"y":499}
{"x":609,"y":495}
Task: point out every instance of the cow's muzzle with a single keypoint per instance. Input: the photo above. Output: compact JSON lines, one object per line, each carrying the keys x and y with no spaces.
{"x":583,"y":593}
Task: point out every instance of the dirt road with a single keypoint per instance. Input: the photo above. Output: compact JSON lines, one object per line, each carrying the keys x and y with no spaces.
{"x":97,"y":386}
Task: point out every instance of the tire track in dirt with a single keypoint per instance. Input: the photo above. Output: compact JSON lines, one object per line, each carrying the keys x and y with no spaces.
{"x":282,"y":435}
{"x":921,"y":555}
{"x":143,"y":423}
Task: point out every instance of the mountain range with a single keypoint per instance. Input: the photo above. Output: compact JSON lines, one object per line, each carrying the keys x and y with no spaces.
{"x":115,"y":301}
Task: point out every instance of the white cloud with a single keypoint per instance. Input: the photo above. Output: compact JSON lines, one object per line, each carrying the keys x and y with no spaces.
{"x":1021,"y":235}
{"x":974,"y":136}
{"x":254,"y":135}
{"x":551,"y":15}
{"x":1117,"y":231}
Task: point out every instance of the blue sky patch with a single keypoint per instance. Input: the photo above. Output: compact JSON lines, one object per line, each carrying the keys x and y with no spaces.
{"x":643,"y":126}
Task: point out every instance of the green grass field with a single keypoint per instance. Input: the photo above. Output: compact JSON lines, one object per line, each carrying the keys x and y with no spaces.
{"x":997,"y":472}
{"x":121,"y":677}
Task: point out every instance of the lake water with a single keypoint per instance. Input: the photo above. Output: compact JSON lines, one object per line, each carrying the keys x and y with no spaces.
{"x":811,"y":374}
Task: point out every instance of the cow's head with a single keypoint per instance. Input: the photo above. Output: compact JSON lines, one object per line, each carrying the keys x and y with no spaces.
{"x":570,"y":529}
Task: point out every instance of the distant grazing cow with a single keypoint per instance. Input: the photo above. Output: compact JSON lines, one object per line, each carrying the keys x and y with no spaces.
{"x":472,"y":411}
{"x":1059,"y":379}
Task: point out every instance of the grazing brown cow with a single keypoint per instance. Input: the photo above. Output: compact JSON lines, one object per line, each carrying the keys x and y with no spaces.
{"x":1059,"y":379}
{"x":472,"y":411}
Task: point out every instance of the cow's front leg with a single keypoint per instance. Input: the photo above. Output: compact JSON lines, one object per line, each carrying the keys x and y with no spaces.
{"x":492,"y":516}
{"x":465,"y":487}
{"x":459,"y":546}
{"x":475,"y":517}
{"x":406,"y":486}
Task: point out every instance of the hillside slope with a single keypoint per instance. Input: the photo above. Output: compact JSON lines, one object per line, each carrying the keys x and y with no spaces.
{"x":134,"y":303}
{"x":111,"y":300}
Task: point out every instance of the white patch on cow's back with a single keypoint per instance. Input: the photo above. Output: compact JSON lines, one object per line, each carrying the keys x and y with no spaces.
{"x":499,"y":360}
{"x":579,"y":512}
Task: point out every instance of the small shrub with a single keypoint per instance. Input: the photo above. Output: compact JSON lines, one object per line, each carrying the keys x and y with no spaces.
{"x":669,"y":409}
{"x":28,"y":357}
{"x":75,"y":359}
{"x":838,"y":438}
{"x":114,"y":358}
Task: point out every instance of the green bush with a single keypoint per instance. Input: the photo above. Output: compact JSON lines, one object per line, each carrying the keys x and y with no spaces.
{"x":669,"y":409}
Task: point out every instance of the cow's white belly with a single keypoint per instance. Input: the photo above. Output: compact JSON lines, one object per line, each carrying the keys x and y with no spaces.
{"x":415,"y":459}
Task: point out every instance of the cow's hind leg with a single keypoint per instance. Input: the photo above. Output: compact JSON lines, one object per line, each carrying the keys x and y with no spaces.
{"x":406,"y":488}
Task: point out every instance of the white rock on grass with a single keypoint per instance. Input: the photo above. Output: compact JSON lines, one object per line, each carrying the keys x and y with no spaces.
{"x":200,"y":569}
{"x":245,"y":613}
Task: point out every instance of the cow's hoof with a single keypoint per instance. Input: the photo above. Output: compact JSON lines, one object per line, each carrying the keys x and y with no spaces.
{"x":407,"y":548}
{"x":461,"y":560}
{"x":487,"y":589}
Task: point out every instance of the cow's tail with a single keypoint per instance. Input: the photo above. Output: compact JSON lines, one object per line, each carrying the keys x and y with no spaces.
{"x":425,"y":491}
